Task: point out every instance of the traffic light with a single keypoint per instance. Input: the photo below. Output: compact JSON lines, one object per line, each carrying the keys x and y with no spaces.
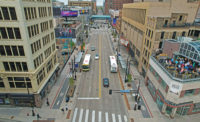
{"x":110,"y":91}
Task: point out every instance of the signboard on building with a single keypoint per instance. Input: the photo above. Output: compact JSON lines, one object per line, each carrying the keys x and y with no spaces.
{"x":175,"y":87}
{"x":69,"y":13}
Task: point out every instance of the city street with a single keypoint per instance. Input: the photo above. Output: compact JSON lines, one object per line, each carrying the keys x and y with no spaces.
{"x":92,"y":96}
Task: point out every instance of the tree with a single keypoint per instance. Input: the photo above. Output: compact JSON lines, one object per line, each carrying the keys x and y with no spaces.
{"x":71,"y":81}
{"x":129,"y":77}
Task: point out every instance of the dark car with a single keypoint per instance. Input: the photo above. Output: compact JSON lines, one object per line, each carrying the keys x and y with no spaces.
{"x":105,"y":82}
{"x":67,"y":99}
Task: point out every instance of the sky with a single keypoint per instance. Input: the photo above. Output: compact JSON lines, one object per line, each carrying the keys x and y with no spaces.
{"x":99,"y":2}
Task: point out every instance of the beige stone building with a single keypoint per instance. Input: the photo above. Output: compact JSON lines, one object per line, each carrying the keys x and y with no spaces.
{"x":91,"y":4}
{"x":146,"y":24}
{"x":28,"y":61}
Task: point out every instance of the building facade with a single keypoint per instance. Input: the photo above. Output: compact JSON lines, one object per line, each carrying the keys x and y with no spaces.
{"x":174,"y":83}
{"x":91,"y":4}
{"x":115,"y":4}
{"x":146,"y":24}
{"x":28,"y":60}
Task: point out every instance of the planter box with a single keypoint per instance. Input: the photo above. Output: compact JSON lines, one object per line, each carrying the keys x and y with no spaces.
{"x":70,"y":92}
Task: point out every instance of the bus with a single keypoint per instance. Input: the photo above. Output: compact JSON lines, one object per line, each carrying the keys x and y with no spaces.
{"x":113,"y":64}
{"x":86,"y":63}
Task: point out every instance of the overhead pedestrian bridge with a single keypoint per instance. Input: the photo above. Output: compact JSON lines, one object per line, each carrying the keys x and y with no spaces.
{"x":101,"y":17}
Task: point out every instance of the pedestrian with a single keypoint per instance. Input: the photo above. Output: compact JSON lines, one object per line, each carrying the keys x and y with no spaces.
{"x":38,"y":116}
{"x":47,"y":102}
{"x":66,"y":108}
{"x":63,"y":110}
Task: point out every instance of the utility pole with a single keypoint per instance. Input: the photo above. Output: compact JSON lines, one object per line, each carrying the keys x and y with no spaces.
{"x":74,"y":69}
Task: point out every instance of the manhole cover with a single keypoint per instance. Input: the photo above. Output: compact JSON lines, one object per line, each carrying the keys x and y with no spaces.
{"x":51,"y":119}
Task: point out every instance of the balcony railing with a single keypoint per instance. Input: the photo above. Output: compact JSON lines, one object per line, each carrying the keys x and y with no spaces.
{"x":183,"y":78}
{"x":182,"y":25}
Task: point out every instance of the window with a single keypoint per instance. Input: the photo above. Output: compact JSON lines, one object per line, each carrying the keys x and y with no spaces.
{"x":189,"y":92}
{"x":12,"y":66}
{"x":3,"y":33}
{"x":21,"y":51}
{"x":17,"y":33}
{"x":15,"y":51}
{"x":10,"y":33}
{"x":2,"y":51}
{"x":1,"y":17}
{"x":26,"y":15}
{"x":180,"y":18}
{"x":24,"y":65}
{"x":162,"y":35}
{"x":183,"y":33}
{"x":8,"y":51}
{"x":6,"y":66}
{"x":1,"y":83}
{"x":19,"y":82}
{"x":174,"y":35}
{"x":13,"y":13}
{"x":166,"y":22}
{"x":5,"y":13}
{"x":19,"y":67}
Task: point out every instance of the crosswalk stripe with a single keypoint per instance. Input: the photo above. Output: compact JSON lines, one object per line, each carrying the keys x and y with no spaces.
{"x":93,"y":116}
{"x":99,"y":116}
{"x":86,"y":115}
{"x":125,"y":119}
{"x":119,"y":117}
{"x":113,"y":118}
{"x":74,"y":116}
{"x":106,"y":116}
{"x":81,"y":115}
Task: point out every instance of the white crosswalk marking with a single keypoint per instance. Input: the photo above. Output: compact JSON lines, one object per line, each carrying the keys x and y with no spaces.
{"x":106,"y":116}
{"x":93,"y":116}
{"x":125,"y":119}
{"x":81,"y":115}
{"x":113,"y":118}
{"x":86,"y":115}
{"x":119,"y":117}
{"x":99,"y":116}
{"x":74,"y":116}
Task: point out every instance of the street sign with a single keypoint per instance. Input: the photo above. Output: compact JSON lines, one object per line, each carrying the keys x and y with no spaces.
{"x":125,"y":91}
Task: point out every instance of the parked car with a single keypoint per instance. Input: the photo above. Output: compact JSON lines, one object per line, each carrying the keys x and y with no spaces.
{"x":92,"y":48}
{"x":105,"y":82}
{"x":96,"y":56}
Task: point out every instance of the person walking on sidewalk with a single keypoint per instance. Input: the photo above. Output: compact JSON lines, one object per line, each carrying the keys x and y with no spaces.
{"x":47,"y":102}
{"x":38,"y":116}
{"x":63,"y":110}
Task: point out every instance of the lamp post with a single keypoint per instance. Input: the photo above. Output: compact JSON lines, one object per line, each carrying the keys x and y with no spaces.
{"x":33,"y":113}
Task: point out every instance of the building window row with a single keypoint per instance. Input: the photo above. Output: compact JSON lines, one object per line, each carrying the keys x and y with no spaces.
{"x":19,"y":82}
{"x":40,"y":76}
{"x":38,"y":61}
{"x":49,"y":66}
{"x":10,"y":33}
{"x":15,"y":66}
{"x":47,"y":52}
{"x":8,"y":13}
{"x":35,"y":46}
{"x":44,"y":26}
{"x":148,"y":43}
{"x":52,"y":36}
{"x":33,"y":30}
{"x":30,"y":13}
{"x":7,"y":50}
{"x":55,"y":59}
{"x":42,"y":11}
{"x":53,"y":47}
{"x":46,"y":40}
{"x":149,"y":33}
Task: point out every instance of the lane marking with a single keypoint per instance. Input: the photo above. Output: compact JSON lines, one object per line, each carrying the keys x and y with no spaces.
{"x":88,"y":98}
{"x":113,"y":118}
{"x":74,"y":116}
{"x":81,"y":115}
{"x":106,"y":117}
{"x":99,"y":116}
{"x":86,"y":115}
{"x":125,"y":119}
{"x":119,"y":117}
{"x":93,"y":116}
{"x":99,"y":68}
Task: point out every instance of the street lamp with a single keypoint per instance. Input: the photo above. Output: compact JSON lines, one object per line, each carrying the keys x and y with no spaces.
{"x":33,"y":113}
